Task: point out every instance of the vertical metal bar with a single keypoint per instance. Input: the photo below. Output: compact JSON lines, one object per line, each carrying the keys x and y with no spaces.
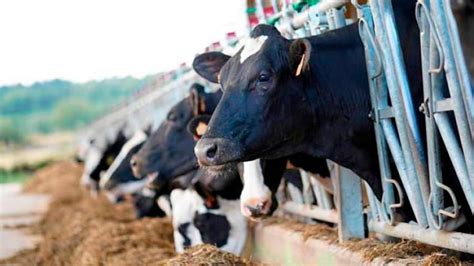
{"x":456,"y":155}
{"x":339,"y":18}
{"x":330,"y":17}
{"x":307,"y":187}
{"x":349,"y":203}
{"x":322,"y":196}
{"x":373,"y":203}
{"x":429,"y":57}
{"x":379,"y":100}
{"x":457,"y":76}
{"x":405,"y":118}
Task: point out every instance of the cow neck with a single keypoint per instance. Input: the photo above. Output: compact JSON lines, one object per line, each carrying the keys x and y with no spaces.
{"x":339,"y":94}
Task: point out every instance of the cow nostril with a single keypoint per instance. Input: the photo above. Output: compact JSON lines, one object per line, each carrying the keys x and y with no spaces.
{"x":254,"y":211}
{"x":211,"y":151}
{"x":133,"y":163}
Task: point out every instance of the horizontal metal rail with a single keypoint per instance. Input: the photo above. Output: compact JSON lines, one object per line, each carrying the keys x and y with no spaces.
{"x":311,"y":211}
{"x":451,"y":240}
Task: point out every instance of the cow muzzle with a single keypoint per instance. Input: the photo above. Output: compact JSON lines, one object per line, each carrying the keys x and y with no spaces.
{"x":254,"y":208}
{"x":216,"y":151}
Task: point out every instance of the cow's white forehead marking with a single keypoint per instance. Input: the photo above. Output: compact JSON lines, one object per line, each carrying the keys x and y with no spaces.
{"x":252,"y":46}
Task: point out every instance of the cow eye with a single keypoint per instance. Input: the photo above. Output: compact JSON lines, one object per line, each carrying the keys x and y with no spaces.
{"x":172,"y":117}
{"x":263,"y":77}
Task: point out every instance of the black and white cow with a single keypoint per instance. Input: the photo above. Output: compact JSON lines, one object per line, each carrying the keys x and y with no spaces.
{"x":118,"y":180}
{"x":205,"y":208}
{"x":195,"y":223}
{"x":309,"y":96}
{"x":99,"y":155}
{"x":263,"y":177}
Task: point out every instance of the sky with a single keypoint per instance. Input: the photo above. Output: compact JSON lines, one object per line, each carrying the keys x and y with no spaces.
{"x":80,"y":40}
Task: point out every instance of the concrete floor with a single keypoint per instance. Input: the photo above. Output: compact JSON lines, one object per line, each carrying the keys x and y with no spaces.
{"x":18,"y":210}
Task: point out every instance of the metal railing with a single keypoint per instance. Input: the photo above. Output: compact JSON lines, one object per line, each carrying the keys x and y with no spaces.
{"x":398,"y":135}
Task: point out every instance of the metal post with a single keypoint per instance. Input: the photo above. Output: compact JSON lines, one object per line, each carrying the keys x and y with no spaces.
{"x":428,"y":56}
{"x":348,"y":192}
{"x":378,"y":94}
{"x":405,"y":119}
{"x":459,"y":85}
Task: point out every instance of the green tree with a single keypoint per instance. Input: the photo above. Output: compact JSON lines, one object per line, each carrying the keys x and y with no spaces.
{"x":71,"y":113}
{"x":10,"y":133}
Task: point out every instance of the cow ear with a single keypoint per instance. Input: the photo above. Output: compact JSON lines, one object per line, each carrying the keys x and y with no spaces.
{"x":198,"y":126}
{"x":197,"y":95}
{"x":209,"y":65}
{"x":300,"y":51}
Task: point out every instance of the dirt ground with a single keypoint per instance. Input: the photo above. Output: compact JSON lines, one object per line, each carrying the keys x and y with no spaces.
{"x":81,"y":230}
{"x":78,"y":229}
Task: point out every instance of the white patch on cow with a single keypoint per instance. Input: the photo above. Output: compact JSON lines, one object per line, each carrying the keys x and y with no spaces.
{"x":254,"y":186}
{"x":138,"y":138}
{"x":238,"y":224}
{"x":251,"y":47}
{"x":187,"y":203}
{"x":184,"y":206}
{"x":165,"y":205}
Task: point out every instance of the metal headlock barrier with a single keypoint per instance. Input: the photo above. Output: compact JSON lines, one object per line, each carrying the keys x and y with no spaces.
{"x":449,"y":121}
{"x":397,"y":131}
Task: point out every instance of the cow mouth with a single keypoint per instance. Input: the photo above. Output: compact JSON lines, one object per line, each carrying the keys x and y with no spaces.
{"x":261,"y":153}
{"x":215,"y":169}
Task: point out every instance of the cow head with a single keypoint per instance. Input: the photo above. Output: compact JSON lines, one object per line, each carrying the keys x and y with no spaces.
{"x":263,"y":100}
{"x":118,"y":180}
{"x":168,"y":153}
{"x":100,"y":155}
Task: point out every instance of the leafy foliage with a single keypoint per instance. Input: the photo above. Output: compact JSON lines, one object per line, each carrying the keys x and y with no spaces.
{"x":56,"y":105}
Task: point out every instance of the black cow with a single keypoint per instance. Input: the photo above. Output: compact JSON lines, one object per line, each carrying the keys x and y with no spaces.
{"x":262,"y":178}
{"x":309,"y":96}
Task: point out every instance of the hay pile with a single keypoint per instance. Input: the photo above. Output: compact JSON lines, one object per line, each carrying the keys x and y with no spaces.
{"x":205,"y":254}
{"x":405,"y":250}
{"x":80,"y":230}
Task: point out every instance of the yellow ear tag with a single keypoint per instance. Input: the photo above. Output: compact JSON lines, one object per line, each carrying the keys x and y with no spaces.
{"x":109,"y":160}
{"x":201,"y":128}
{"x":300,"y":65}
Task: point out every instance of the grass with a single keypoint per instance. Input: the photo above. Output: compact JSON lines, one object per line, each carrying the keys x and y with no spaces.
{"x":13,"y":177}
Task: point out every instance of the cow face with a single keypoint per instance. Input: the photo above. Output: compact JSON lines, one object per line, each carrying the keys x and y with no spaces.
{"x":263,"y":100}
{"x":118,"y":180}
{"x":223,"y":180}
{"x":100,"y":155}
{"x":168,"y":153}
